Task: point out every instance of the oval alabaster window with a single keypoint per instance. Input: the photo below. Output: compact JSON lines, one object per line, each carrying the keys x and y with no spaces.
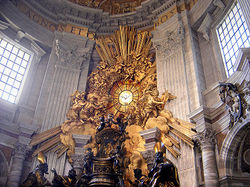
{"x":124,"y":96}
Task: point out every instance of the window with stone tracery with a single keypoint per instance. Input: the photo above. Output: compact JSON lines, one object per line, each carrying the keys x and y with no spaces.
{"x":14,"y":65}
{"x":232,"y":34}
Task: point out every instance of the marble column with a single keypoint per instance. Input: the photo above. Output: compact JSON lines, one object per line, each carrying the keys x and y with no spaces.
{"x":78,"y":157}
{"x":206,"y":140}
{"x":15,"y":173}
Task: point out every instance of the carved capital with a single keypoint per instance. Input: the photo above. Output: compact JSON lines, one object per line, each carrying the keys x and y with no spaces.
{"x":71,"y":55}
{"x":206,"y":137}
{"x":170,"y":43}
{"x":149,"y":157}
{"x":78,"y":160}
{"x":20,"y":150}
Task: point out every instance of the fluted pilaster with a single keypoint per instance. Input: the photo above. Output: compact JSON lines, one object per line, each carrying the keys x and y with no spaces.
{"x":171,"y":67}
{"x":67,"y":69}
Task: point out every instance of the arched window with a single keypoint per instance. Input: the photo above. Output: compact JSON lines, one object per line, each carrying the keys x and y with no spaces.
{"x":233,"y":34}
{"x":14,"y":65}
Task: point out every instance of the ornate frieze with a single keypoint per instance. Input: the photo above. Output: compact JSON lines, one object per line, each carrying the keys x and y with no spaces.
{"x":54,"y":15}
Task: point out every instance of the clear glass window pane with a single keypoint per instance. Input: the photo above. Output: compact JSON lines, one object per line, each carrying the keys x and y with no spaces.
{"x":21,"y":70}
{"x":13,"y":65}
{"x":18,"y":60}
{"x":15,"y":50}
{"x":7,"y":88}
{"x":16,"y":84}
{"x":3,"y":43}
{"x":4,"y":78}
{"x":3,"y":61}
{"x":20,"y":53}
{"x":10,"y":64}
{"x":14,"y":91}
{"x":9,"y":47}
{"x":24,"y":63}
{"x":26,"y":57}
{"x":2,"y":85}
{"x":6,"y":54}
{"x":19,"y":77}
{"x":10,"y":81}
{"x":1,"y":68}
{"x":1,"y":50}
{"x":12,"y":57}
{"x":13,"y":74}
{"x":235,"y":35}
{"x":7,"y":71}
{"x":12,"y":99}
{"x":5,"y":96}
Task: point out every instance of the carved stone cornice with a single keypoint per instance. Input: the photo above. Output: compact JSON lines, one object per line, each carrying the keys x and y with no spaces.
{"x":95,"y":19}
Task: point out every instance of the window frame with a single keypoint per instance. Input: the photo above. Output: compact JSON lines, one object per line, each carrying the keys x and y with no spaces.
{"x":220,"y":46}
{"x":24,"y":80}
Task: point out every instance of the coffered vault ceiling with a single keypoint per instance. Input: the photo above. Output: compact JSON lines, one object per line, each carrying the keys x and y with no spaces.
{"x":111,"y":6}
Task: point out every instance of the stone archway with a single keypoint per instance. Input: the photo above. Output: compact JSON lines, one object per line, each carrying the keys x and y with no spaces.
{"x":3,"y":170}
{"x":234,"y":149}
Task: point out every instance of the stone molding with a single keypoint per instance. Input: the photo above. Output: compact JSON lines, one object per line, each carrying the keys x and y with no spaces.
{"x":151,"y":136}
{"x":3,"y":25}
{"x":39,"y":52}
{"x":205,"y":27}
{"x":95,"y":19}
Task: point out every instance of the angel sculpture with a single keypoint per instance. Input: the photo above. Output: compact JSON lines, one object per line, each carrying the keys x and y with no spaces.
{"x":36,"y":178}
{"x":154,"y":104}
